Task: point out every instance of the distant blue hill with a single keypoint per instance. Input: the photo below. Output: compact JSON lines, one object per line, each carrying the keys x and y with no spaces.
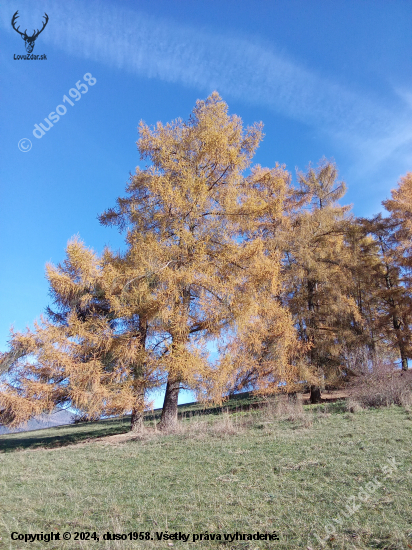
{"x":57,"y":418}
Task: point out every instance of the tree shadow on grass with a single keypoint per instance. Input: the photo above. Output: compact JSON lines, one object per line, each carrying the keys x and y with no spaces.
{"x":62,"y":436}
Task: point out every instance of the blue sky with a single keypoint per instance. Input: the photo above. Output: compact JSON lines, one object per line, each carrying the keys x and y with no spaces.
{"x":327,"y":78}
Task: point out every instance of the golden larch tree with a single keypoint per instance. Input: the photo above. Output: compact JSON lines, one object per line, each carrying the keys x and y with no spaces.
{"x":88,"y":353}
{"x":316,"y":270}
{"x":190,"y":209}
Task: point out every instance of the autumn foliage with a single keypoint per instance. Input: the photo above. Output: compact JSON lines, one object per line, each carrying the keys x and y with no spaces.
{"x":281,"y":279}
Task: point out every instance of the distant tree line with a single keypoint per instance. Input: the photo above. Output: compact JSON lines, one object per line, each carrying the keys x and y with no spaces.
{"x":286,"y":282}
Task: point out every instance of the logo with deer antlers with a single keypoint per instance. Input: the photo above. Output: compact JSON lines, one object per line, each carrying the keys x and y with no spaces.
{"x":29,"y":40}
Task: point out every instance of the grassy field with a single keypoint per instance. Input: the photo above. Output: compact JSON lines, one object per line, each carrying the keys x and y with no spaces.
{"x":85,"y":431}
{"x":320,"y":477}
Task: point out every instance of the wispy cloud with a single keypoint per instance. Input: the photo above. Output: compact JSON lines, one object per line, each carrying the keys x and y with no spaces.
{"x":239,"y":68}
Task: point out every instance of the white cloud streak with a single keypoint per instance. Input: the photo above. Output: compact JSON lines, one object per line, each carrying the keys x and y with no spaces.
{"x":239,"y":68}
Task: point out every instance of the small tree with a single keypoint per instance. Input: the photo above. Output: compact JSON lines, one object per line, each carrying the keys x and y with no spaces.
{"x":400,"y":209}
{"x":364,"y":346}
{"x":391,"y":274}
{"x":85,"y":355}
{"x":316,"y":261}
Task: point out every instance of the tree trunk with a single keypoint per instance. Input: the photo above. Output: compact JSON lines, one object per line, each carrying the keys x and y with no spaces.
{"x":137,"y":419}
{"x":169,"y":413}
{"x":138,"y":382}
{"x":400,"y":340}
{"x":315,"y":394}
{"x":404,"y":362}
{"x":396,"y":322}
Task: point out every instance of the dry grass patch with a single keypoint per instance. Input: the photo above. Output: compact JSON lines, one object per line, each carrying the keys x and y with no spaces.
{"x":353,"y":406}
{"x":283,"y":408}
{"x":381,"y":387}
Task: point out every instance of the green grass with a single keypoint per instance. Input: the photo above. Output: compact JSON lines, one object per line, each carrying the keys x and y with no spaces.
{"x":237,"y":402}
{"x":247,"y":472}
{"x":61,"y":436}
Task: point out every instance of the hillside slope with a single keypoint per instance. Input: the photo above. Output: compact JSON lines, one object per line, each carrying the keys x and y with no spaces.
{"x":311,"y":474}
